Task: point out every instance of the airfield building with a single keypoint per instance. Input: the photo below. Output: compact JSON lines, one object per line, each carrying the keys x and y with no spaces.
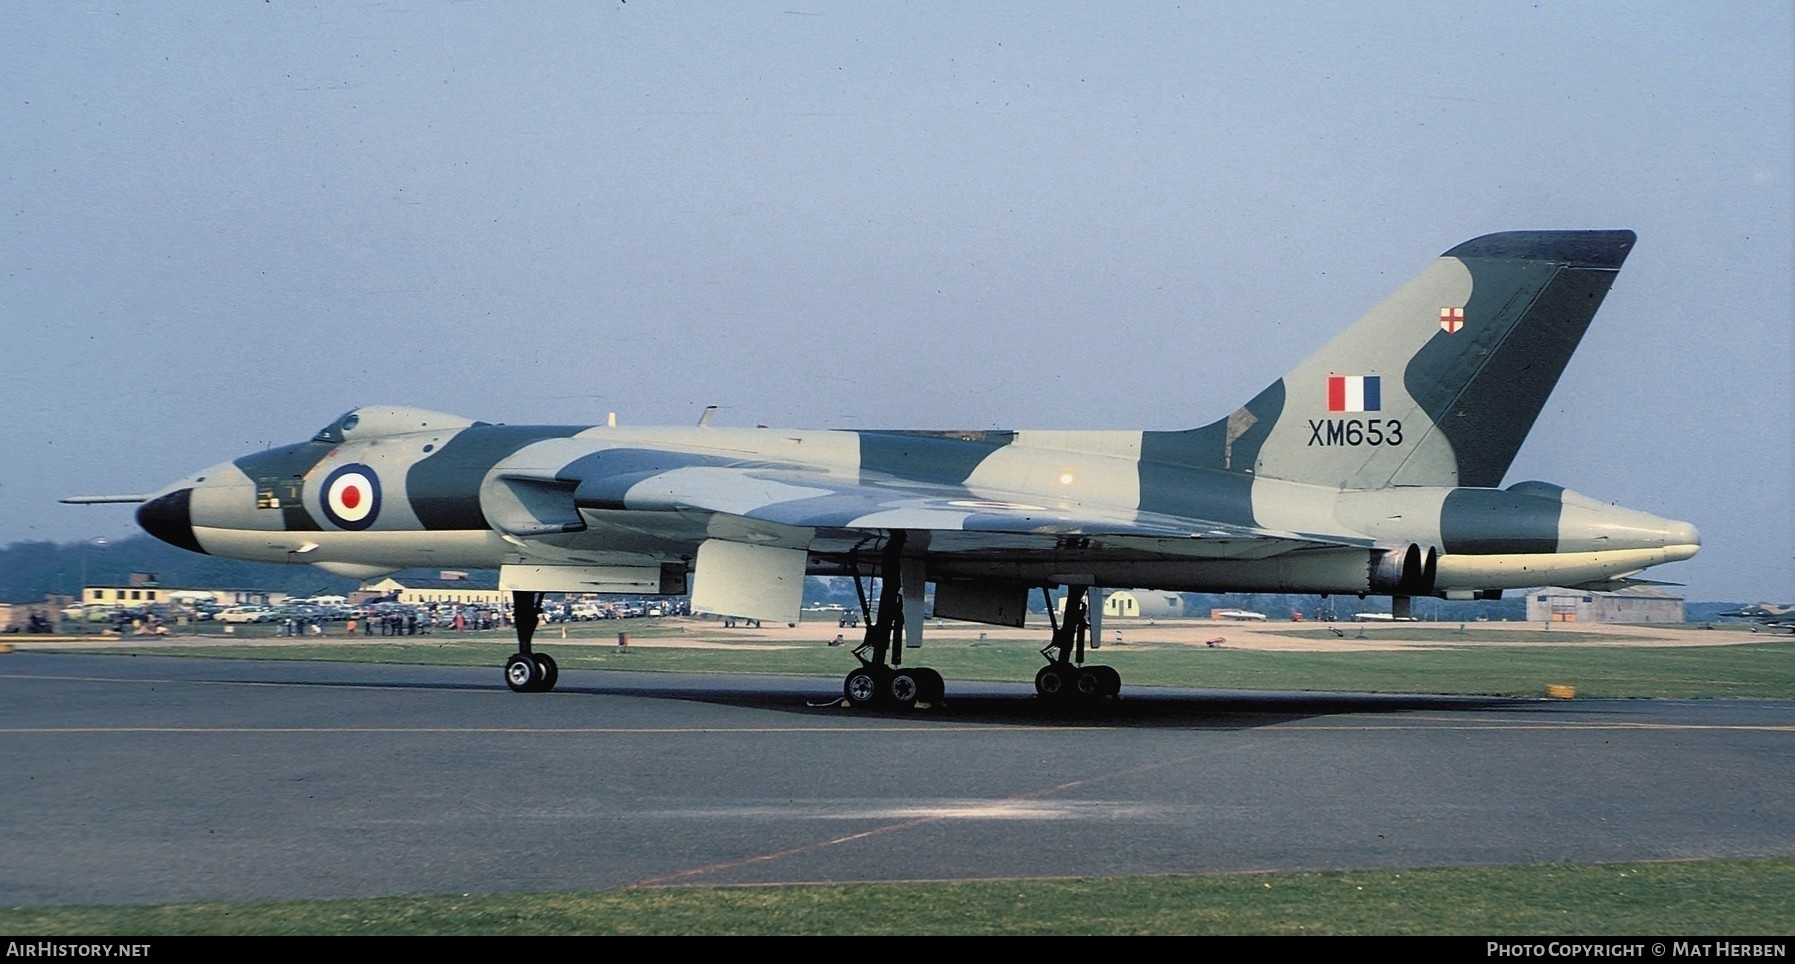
{"x":1146,"y":603}
{"x":456,"y":589}
{"x":1640,"y":604}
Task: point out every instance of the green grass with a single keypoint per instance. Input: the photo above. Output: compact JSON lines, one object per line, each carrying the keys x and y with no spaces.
{"x":1702,"y":898}
{"x":1484,"y":662}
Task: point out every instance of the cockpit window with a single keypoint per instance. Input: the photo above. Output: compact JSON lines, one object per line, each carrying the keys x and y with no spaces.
{"x":334,"y":431}
{"x":386,"y":421}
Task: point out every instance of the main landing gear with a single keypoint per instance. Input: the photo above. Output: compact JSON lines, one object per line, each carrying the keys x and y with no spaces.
{"x":1066,"y":678}
{"x":876,"y":682}
{"x":525,"y":671}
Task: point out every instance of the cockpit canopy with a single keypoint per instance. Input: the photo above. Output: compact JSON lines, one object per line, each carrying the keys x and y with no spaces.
{"x":376,"y":421}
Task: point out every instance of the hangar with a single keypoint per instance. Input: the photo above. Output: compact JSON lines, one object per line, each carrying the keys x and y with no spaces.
{"x":1637,"y":604}
{"x":1127,"y":603}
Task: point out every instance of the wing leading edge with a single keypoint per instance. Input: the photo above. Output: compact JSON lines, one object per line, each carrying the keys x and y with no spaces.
{"x":839,"y":508}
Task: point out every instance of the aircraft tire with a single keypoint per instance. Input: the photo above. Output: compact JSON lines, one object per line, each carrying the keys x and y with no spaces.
{"x":550,"y":672}
{"x":1112,"y":680}
{"x":861,"y":686}
{"x":903,"y":688}
{"x":932,"y":687}
{"x":522,"y":674}
{"x":1088,"y":683}
{"x":1054,"y":681}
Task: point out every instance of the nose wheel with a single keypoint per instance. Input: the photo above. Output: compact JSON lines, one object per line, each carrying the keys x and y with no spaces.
{"x":526,"y":671}
{"x":531,"y":672}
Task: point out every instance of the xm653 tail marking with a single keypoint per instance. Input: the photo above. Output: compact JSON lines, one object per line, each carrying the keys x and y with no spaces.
{"x":1355,"y":431}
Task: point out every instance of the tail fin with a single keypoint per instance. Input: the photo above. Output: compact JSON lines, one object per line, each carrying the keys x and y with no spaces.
{"x":1438,"y":385}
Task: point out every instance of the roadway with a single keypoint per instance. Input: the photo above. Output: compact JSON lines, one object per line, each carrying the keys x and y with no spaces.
{"x":140,"y":779}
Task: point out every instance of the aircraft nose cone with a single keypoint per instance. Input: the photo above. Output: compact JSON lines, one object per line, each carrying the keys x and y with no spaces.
{"x":170,"y":518}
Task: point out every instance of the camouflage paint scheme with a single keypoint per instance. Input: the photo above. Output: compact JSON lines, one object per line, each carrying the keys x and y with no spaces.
{"x":1371,"y":468}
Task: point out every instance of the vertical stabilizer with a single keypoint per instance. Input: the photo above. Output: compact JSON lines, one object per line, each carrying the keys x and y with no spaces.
{"x":1438,"y":385}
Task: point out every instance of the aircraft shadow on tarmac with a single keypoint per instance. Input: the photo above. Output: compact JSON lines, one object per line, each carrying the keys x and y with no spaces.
{"x":1015,"y":704}
{"x":1182,"y":708}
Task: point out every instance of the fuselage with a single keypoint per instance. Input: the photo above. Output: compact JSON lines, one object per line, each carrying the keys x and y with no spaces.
{"x":384,"y":489}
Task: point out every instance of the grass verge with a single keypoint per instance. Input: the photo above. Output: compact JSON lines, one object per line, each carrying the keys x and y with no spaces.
{"x":1704,"y":898}
{"x":1469,"y":666}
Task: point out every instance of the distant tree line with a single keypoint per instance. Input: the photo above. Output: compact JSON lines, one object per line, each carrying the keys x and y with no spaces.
{"x":31,"y":570}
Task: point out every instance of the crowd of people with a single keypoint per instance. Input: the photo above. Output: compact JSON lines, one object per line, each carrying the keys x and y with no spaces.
{"x":396,"y":620}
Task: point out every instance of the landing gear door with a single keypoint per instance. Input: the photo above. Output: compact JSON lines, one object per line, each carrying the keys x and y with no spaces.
{"x":992,"y":603}
{"x":754,"y":582}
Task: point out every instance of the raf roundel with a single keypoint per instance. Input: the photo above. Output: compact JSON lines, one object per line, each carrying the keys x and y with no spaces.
{"x":352,"y":496}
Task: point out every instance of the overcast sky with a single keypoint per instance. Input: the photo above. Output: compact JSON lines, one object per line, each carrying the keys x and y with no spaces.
{"x":226,"y":223}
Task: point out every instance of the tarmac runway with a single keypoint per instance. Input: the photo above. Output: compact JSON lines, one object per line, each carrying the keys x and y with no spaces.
{"x":142,"y":779}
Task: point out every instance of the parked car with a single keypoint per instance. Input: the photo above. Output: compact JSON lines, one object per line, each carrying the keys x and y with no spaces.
{"x":246,"y":614}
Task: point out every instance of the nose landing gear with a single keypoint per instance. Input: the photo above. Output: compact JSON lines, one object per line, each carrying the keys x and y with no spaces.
{"x":526,"y":671}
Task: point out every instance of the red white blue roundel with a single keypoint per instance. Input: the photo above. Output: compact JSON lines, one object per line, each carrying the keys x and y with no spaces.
{"x":352,"y":496}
